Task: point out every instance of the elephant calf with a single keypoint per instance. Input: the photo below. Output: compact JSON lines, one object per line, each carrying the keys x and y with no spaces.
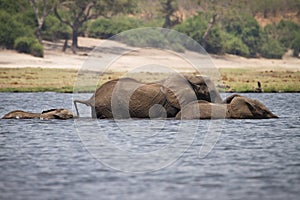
{"x":234,"y":107}
{"x":48,"y":114}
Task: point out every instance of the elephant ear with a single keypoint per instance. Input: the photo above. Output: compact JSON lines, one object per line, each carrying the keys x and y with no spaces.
{"x":213,"y":92}
{"x":178,"y":91}
{"x":204,"y":88}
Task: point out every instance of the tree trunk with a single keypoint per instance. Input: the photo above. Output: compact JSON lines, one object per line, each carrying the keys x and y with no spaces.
{"x":39,"y":35}
{"x":206,"y":33}
{"x":65,"y":45}
{"x":74,"y":40}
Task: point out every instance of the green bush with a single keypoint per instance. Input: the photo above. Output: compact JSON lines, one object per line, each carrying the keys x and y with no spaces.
{"x":106,"y":28}
{"x":195,"y":28}
{"x":10,"y":29}
{"x":215,"y":43}
{"x":287,"y":31}
{"x":284,"y":31}
{"x":234,"y":45}
{"x":272,"y":49}
{"x":247,"y":29}
{"x":54,"y":30}
{"x":29,"y":45}
{"x":296,"y":45}
{"x":37,"y":50}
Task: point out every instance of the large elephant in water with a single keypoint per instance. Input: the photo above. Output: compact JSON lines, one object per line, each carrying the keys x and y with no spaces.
{"x":234,"y":107}
{"x":126,"y":97}
{"x":48,"y":114}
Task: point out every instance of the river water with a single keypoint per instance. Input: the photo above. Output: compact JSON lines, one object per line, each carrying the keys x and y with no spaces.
{"x":52,"y":159}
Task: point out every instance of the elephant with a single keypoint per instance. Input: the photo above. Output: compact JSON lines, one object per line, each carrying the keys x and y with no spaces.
{"x":48,"y":114}
{"x":233,"y":107}
{"x":129,"y":98}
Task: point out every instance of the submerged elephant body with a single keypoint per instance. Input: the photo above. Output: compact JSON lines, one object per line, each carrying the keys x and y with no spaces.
{"x":128,"y":98}
{"x":234,"y":107}
{"x":48,"y":114}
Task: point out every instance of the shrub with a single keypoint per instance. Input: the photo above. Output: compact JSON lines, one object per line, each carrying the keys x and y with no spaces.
{"x":37,"y":50}
{"x":284,"y":31}
{"x":296,"y":45}
{"x":247,"y":29}
{"x":10,"y":29}
{"x":29,"y":45}
{"x":106,"y":28}
{"x":215,"y":42}
{"x":272,"y":49}
{"x":234,"y":45}
{"x":152,"y":38}
{"x":287,"y":31}
{"x":196,"y":26}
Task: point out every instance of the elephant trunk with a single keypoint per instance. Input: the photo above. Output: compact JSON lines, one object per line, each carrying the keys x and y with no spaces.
{"x":87,"y":103}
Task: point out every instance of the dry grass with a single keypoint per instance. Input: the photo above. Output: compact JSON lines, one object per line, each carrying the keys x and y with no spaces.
{"x":245,"y":80}
{"x":63,"y":80}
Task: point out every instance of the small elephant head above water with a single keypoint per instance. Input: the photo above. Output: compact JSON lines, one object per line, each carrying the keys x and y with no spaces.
{"x":48,"y":114}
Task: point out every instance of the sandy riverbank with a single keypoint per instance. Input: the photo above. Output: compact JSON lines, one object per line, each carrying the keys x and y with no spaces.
{"x":55,"y":58}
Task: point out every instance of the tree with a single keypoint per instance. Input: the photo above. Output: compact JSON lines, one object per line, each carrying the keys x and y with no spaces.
{"x":75,"y":13}
{"x":41,"y":8}
{"x":168,"y":9}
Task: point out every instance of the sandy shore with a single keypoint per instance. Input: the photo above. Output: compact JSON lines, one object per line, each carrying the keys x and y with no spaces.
{"x":128,"y":58}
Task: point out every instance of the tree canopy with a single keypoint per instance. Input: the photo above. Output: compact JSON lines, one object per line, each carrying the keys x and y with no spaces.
{"x":75,"y":13}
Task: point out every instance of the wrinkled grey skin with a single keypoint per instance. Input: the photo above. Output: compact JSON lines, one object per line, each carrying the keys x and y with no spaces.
{"x":234,"y":107}
{"x":126,"y":97}
{"x":48,"y":114}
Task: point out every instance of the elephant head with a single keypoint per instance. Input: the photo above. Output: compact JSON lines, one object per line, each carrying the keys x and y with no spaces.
{"x":181,"y":90}
{"x":240,"y":107}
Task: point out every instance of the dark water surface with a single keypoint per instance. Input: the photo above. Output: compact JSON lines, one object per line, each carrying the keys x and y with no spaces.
{"x":46,"y":159}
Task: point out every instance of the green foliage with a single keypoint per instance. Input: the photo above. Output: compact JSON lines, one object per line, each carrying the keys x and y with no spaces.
{"x":144,"y":38}
{"x":152,"y":38}
{"x":296,"y":45}
{"x":234,"y":45}
{"x":14,"y":7}
{"x":216,"y":41}
{"x":194,"y":27}
{"x":247,"y":29}
{"x":29,"y":45}
{"x":10,"y":29}
{"x":287,"y":31}
{"x":54,"y":30}
{"x":272,"y":49}
{"x":106,"y":28}
{"x":37,"y":50}
{"x":78,"y":12}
